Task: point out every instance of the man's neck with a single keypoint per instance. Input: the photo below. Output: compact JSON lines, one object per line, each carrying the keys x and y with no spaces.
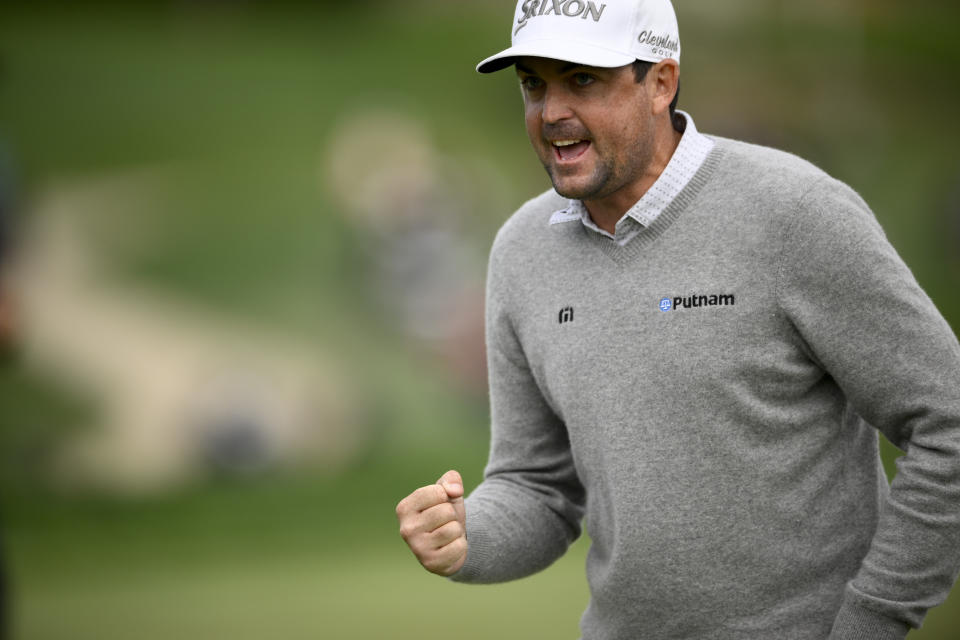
{"x":606,"y":212}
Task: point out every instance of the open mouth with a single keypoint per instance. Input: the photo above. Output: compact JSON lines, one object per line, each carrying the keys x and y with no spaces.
{"x":568,"y":150}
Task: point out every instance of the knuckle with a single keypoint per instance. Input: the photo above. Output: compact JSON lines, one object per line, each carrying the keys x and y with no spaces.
{"x":416,"y":547}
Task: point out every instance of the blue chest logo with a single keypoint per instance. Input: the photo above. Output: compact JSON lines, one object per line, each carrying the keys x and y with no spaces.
{"x":666,"y":304}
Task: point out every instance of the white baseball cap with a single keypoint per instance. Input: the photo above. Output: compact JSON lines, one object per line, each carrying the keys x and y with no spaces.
{"x":596,"y":33}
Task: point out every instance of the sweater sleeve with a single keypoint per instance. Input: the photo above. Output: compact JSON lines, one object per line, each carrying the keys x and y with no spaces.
{"x":864,"y":318}
{"x":527,"y":511}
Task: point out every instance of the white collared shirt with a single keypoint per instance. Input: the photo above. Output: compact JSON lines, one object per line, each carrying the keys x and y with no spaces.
{"x":689,"y":156}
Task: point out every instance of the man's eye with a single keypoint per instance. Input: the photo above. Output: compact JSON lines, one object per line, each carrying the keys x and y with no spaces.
{"x":582,"y":79}
{"x":531,"y":83}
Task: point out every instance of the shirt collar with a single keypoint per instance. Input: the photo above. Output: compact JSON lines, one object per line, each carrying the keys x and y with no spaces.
{"x":689,"y":156}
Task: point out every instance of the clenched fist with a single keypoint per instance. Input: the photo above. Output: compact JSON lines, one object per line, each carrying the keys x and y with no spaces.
{"x":433,"y":524}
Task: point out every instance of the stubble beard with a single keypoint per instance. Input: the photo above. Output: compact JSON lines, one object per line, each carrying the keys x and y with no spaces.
{"x":609,"y":176}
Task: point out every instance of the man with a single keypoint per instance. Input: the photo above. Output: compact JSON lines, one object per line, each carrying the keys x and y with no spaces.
{"x":692,"y":342}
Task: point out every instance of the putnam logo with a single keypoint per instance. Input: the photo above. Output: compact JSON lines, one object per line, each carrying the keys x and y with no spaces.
{"x":696,"y":301}
{"x":568,"y":8}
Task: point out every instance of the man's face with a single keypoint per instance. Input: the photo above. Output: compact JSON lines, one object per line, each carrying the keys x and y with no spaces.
{"x":591,"y":127}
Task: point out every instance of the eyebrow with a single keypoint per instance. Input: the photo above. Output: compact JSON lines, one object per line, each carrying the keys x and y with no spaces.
{"x":564,"y":69}
{"x":570,"y":66}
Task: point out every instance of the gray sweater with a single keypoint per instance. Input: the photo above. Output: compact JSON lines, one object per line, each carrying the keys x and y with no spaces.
{"x":707,"y":396}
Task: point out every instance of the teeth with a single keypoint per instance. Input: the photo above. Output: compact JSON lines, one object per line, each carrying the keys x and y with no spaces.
{"x":565,"y":143}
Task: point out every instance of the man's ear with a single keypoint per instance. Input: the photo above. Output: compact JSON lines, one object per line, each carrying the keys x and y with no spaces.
{"x":662,"y":80}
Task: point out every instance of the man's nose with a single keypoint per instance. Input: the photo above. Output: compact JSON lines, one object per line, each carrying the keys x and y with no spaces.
{"x":556,"y":105}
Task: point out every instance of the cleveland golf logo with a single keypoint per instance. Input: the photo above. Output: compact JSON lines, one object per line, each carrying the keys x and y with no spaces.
{"x":697,"y":301}
{"x":662,"y":41}
{"x":568,"y":8}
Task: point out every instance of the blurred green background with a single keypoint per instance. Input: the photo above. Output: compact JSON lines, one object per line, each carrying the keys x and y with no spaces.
{"x":247,"y":273}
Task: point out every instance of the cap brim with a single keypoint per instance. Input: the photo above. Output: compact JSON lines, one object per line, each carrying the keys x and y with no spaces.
{"x":585,"y":54}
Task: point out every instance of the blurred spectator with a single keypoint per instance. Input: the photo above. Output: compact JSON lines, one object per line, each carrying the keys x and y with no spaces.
{"x":409,"y":200}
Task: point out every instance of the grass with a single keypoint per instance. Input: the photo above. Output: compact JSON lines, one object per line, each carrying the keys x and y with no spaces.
{"x":291,"y":557}
{"x":356,"y":593}
{"x":287,"y":556}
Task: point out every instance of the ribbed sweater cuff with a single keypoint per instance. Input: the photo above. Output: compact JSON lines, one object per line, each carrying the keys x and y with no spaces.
{"x":481,"y":553}
{"x":855,"y":622}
